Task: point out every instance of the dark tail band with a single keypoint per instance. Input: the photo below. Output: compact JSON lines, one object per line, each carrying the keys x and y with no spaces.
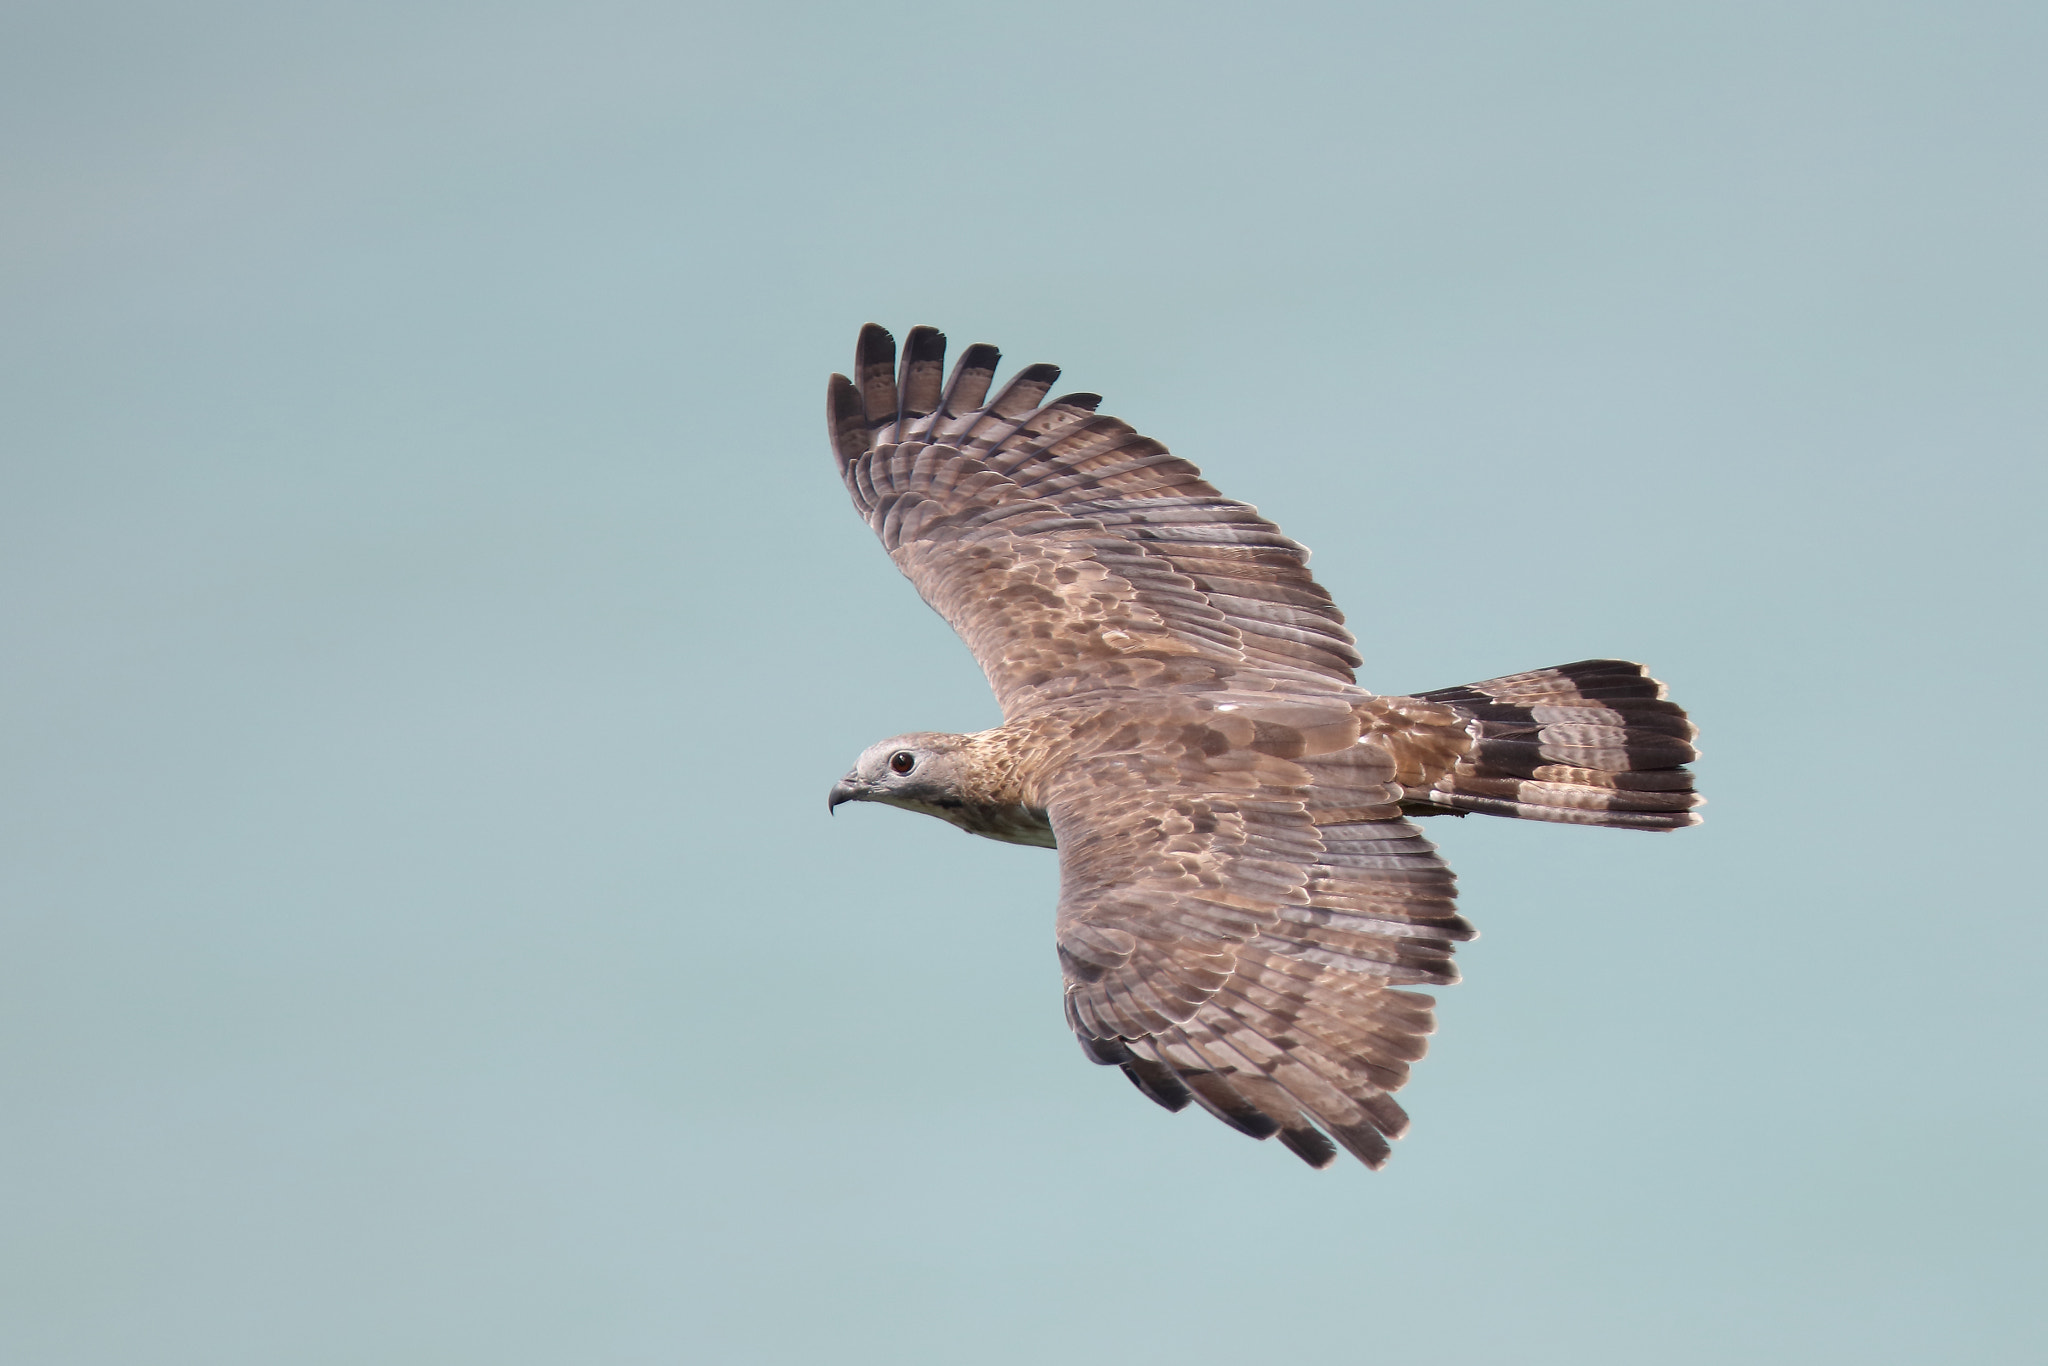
{"x":1592,"y":743}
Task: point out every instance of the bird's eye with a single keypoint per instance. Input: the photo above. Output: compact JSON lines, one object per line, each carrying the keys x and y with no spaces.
{"x":902,"y":761}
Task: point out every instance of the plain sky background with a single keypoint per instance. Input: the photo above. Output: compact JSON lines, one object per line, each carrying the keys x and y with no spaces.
{"x":431,"y":623}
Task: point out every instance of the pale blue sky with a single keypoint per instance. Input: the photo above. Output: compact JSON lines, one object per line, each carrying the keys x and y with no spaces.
{"x":430,"y":622}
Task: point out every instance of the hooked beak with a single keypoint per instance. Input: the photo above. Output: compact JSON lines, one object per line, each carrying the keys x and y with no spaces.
{"x":847,"y":789}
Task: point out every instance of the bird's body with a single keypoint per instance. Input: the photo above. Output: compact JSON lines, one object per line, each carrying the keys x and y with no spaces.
{"x":1243,"y":898}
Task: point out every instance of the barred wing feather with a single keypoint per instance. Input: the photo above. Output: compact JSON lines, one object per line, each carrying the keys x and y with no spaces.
{"x":1071,"y":553}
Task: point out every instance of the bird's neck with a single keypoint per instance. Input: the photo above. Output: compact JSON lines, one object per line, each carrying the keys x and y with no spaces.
{"x":999,"y":766}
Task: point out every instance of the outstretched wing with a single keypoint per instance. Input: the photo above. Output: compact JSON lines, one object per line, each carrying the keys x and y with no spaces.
{"x":1071,"y":553}
{"x":1240,"y":903}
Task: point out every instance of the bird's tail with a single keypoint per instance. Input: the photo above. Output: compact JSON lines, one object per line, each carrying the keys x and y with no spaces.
{"x":1592,"y":743}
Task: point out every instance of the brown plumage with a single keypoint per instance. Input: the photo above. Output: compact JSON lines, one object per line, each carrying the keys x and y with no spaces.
{"x":1243,"y":900}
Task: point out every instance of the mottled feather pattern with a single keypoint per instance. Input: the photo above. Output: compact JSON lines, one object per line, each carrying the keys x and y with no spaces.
{"x":1176,"y":541}
{"x":1243,"y":901}
{"x":1234,"y":943}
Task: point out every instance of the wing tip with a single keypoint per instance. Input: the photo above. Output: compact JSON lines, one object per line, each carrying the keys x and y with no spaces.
{"x":918,"y":381}
{"x":968,"y":385}
{"x":874,"y":372}
{"x":1308,"y":1144}
{"x":845,"y":421}
{"x":1025,"y":391}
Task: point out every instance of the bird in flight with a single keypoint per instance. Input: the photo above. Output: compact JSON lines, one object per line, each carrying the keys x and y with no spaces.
{"x":1245,"y":899}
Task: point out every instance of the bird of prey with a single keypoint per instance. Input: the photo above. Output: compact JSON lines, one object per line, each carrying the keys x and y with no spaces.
{"x":1244,"y":897}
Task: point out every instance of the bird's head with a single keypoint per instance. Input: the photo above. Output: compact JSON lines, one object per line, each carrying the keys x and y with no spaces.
{"x":919,"y":772}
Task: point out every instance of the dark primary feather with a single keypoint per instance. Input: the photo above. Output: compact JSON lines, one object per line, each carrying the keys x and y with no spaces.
{"x":974,"y":372}
{"x":874,"y":371}
{"x":917,"y":383}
